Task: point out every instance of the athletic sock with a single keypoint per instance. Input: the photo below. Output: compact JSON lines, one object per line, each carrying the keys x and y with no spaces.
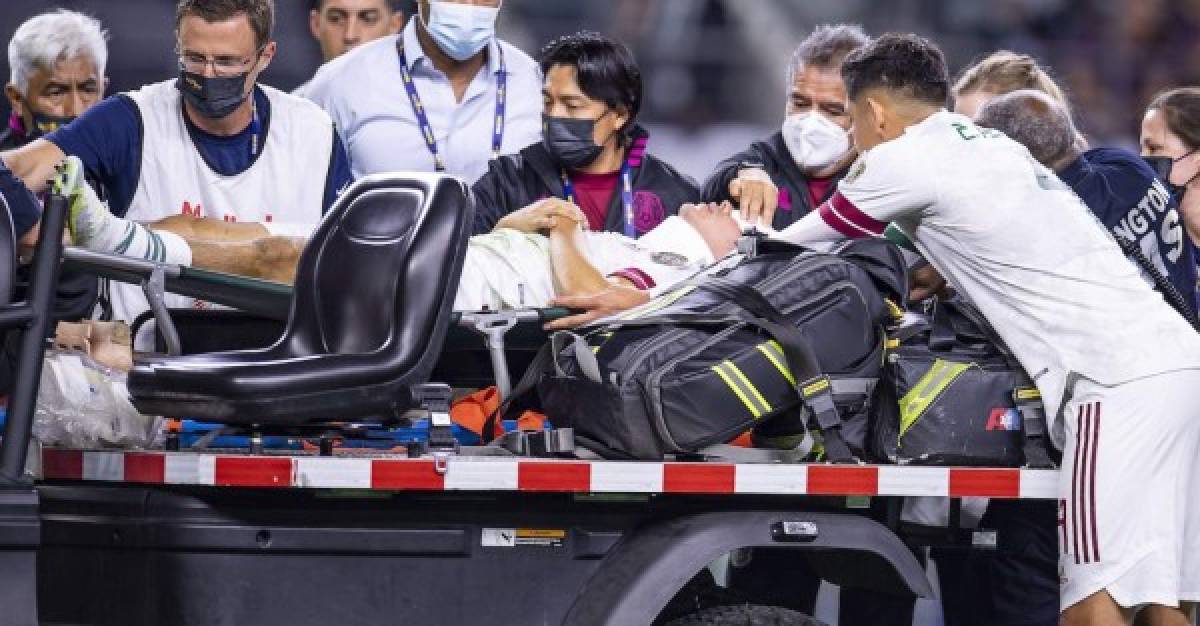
{"x":93,"y":227}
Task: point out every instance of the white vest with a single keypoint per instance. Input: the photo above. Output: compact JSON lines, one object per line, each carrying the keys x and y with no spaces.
{"x":286,"y":183}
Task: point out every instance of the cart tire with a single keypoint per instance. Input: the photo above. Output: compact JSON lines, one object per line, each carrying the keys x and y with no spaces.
{"x":746,"y":615}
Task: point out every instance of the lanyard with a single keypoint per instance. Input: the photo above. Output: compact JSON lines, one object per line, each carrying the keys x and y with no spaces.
{"x":423,"y":118}
{"x":626,"y":196}
{"x":255,"y":127}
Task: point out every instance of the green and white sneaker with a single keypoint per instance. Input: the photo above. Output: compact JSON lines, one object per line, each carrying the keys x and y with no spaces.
{"x":87,"y":216}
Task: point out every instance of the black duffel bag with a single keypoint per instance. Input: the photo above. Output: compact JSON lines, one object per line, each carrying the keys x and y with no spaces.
{"x":734,"y":350}
{"x":952,"y":394}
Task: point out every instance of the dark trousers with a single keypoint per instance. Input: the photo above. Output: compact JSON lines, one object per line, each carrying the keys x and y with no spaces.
{"x":1015,"y":585}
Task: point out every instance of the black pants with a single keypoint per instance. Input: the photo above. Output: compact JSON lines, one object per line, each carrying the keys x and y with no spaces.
{"x":1015,"y":585}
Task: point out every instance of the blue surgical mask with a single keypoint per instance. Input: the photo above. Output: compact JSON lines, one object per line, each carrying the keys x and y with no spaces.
{"x":461,"y":30}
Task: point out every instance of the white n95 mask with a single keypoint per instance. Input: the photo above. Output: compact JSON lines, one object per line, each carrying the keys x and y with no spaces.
{"x":814,"y":140}
{"x":461,"y":30}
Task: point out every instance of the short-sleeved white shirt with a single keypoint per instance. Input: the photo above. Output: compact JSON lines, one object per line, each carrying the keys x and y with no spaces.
{"x":508,"y":269}
{"x":363,"y":92}
{"x":1007,"y":233}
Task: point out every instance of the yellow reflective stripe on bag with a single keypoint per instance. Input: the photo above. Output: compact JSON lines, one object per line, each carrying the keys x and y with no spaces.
{"x":742,"y":388}
{"x":774,"y":353}
{"x":932,"y":384}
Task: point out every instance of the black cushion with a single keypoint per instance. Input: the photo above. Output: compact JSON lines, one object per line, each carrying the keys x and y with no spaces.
{"x":369,"y":313}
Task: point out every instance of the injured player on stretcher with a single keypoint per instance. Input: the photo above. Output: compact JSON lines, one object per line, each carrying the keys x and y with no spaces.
{"x":503,"y":269}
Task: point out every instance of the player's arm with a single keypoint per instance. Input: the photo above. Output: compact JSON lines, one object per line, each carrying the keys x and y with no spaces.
{"x":574,"y":274}
{"x":882,"y":186}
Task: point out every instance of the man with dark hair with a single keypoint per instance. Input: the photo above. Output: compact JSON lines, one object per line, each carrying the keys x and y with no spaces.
{"x":1117,"y":185}
{"x":1116,"y":367}
{"x":211,"y":142}
{"x":784,"y":176}
{"x":445,"y":95}
{"x":592,"y":165}
{"x":339,"y":25}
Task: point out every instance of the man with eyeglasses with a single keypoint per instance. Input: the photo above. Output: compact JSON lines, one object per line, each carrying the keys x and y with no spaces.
{"x":211,"y":143}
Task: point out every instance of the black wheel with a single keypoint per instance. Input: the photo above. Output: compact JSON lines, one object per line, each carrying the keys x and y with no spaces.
{"x":746,"y":615}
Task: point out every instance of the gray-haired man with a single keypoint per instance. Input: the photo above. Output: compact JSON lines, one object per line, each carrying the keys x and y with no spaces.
{"x":785,"y":175}
{"x":57,"y":61}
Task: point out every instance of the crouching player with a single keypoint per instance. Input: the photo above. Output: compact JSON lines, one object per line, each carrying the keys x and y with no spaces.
{"x":1116,"y":366}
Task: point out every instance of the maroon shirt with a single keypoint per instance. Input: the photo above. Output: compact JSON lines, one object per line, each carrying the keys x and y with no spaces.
{"x":593,"y":194}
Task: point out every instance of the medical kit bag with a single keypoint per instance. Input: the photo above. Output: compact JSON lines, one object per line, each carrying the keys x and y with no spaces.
{"x":952,"y":394}
{"x":783,"y":340}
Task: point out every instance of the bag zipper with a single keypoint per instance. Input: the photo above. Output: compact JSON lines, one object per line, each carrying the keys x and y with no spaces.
{"x":768,"y":285}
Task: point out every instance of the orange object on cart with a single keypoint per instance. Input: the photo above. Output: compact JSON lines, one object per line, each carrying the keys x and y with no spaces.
{"x":471,"y":412}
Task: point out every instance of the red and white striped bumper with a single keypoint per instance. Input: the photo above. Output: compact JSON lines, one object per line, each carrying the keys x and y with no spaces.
{"x":553,"y":476}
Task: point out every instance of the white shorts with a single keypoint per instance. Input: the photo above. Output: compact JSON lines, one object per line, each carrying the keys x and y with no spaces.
{"x":1129,"y":508}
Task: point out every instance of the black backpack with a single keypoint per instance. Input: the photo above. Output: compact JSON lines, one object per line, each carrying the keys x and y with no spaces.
{"x":734,"y":350}
{"x":952,"y":394}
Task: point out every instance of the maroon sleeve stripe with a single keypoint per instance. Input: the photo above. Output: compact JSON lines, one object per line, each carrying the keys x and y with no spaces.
{"x":841,"y":215}
{"x":640,"y":279}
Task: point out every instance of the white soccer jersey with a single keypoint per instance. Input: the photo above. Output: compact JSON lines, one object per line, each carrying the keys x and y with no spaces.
{"x":508,"y":269}
{"x":1007,"y":233}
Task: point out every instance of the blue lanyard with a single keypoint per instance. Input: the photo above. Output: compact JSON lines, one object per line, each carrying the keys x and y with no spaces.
{"x":255,"y":128}
{"x":626,"y":196}
{"x":423,"y":118}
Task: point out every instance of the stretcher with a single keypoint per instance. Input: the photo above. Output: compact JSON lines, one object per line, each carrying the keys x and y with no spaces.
{"x":508,"y":338}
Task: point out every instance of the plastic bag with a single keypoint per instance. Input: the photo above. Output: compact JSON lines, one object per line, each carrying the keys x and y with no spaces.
{"x":83,"y":404}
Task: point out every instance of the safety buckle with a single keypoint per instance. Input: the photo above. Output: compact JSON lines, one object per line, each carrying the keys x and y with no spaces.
{"x":435,"y":398}
{"x":818,"y":397}
{"x":747,"y":244}
{"x":1027,"y":396}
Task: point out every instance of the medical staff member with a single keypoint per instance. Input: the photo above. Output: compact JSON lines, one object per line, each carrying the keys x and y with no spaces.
{"x":592,"y":163}
{"x":339,"y":25}
{"x":445,"y":95}
{"x":1116,"y":367}
{"x":785,"y":175}
{"x":57,"y":61}
{"x":1170,"y":141}
{"x":209,"y":143}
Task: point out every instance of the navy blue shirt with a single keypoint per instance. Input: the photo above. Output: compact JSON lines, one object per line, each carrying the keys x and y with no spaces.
{"x":108,"y":139}
{"x":1122,"y":190}
{"x":22,"y":205}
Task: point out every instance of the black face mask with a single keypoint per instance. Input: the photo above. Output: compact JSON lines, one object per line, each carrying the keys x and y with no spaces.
{"x":45,"y":124}
{"x":215,"y":97}
{"x":1162,"y":169}
{"x":570,"y":141}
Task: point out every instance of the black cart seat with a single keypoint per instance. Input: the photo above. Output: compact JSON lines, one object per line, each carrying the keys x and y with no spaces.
{"x":369,"y":313}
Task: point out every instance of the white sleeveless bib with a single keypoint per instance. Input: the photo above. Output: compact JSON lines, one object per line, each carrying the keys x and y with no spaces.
{"x":286,"y":183}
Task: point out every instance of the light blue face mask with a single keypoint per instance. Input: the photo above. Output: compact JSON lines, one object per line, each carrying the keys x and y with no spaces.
{"x":461,"y":30}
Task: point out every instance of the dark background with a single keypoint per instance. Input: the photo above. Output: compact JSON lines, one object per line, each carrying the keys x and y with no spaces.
{"x":714,"y":68}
